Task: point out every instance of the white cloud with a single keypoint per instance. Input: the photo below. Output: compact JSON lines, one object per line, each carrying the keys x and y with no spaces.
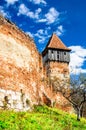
{"x":4,"y":13}
{"x":30,"y":34}
{"x":59,"y":30}
{"x":42,"y":20}
{"x":38,"y":1}
{"x":78,"y":57}
{"x":50,"y":17}
{"x":23,"y":10}
{"x":42,"y":35}
{"x":37,"y":12}
{"x":11,"y":2}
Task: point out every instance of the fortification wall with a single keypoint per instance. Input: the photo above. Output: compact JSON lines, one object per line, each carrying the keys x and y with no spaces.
{"x":19,"y":63}
{"x":22,"y":78}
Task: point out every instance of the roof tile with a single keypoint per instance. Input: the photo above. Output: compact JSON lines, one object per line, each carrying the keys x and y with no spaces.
{"x":56,"y":43}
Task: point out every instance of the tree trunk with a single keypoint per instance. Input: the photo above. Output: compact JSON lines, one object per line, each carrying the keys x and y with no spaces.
{"x":78,"y":114}
{"x":82,"y":112}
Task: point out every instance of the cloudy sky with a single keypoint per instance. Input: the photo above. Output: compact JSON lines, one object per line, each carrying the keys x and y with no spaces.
{"x":40,"y":18}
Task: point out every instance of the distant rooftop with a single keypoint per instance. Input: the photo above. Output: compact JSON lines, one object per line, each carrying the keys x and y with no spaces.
{"x":56,"y":43}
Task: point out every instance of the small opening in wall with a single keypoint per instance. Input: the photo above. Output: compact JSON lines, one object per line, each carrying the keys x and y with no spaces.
{"x":6,"y":98}
{"x":57,"y":52}
{"x":51,"y":51}
{"x":5,"y":102}
{"x":64,"y":53}
{"x":65,"y":71}
{"x":58,"y":56}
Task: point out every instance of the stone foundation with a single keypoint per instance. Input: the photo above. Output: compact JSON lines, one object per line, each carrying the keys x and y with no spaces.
{"x":14,"y":100}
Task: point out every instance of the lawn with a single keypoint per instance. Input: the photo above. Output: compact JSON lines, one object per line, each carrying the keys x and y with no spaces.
{"x":41,"y":118}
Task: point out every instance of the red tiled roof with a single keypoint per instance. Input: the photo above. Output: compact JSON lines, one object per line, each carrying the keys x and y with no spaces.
{"x":56,"y":43}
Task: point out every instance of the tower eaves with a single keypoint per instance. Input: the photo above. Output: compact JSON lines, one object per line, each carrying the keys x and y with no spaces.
{"x":56,"y":43}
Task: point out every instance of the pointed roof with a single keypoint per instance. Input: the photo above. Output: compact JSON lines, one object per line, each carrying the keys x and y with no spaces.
{"x":56,"y":43}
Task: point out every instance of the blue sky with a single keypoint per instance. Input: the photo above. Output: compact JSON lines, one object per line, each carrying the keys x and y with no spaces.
{"x":40,"y":18}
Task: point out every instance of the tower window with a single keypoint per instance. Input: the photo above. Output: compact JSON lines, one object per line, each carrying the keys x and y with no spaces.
{"x":57,"y":52}
{"x":58,"y":57}
{"x":51,"y":51}
{"x":64,"y":53}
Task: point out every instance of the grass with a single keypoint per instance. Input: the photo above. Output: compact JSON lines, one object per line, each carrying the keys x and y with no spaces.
{"x":42,"y":118}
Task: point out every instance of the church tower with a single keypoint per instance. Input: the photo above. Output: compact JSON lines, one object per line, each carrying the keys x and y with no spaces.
{"x":56,"y":58}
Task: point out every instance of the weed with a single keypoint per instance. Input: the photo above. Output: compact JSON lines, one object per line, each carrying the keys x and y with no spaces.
{"x":42,"y":118}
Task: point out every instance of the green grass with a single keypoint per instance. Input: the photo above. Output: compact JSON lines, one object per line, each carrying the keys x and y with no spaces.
{"x":42,"y":118}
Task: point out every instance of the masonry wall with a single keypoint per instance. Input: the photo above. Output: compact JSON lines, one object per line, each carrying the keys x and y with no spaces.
{"x":57,"y":75}
{"x":19,"y":65}
{"x":23,"y":81}
{"x":59,"y":69}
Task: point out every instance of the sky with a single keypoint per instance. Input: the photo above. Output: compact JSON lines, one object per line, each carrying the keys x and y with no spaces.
{"x":41,"y":18}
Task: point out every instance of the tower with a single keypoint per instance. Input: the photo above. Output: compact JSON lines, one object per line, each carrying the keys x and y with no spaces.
{"x":56,"y":58}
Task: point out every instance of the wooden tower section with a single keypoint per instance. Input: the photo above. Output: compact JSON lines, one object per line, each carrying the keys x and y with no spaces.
{"x":56,"y":58}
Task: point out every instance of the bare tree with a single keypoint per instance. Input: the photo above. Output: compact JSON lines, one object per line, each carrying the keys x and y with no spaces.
{"x":74,"y":91}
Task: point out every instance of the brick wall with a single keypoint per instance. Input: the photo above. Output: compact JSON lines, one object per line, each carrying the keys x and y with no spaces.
{"x":23,"y":79}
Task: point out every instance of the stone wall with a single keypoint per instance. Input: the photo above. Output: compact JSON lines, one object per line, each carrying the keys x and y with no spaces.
{"x":59,"y":69}
{"x":58,"y":78}
{"x":19,"y":63}
{"x":14,"y":100}
{"x":23,"y":81}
